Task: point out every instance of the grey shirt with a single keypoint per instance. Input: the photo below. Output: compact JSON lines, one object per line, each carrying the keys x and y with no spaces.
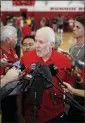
{"x":78,"y":52}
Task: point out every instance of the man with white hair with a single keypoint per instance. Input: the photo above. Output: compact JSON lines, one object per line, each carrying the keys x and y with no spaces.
{"x":8,"y":54}
{"x":45,"y":54}
{"x":8,"y":43}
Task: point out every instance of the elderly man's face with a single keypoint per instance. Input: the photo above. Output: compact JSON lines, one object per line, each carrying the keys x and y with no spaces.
{"x":78,"y":29}
{"x":14,"y":40}
{"x":43,"y":47}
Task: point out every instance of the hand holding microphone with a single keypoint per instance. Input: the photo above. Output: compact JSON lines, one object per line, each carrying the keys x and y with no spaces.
{"x":4,"y":62}
{"x":13,"y":74}
{"x":76,"y":72}
{"x":78,"y":92}
{"x":54,"y":71}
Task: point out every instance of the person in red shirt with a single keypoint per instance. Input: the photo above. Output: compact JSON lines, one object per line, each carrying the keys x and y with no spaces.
{"x":45,"y":54}
{"x":26,"y":29}
{"x":8,"y":43}
{"x":7,"y":52}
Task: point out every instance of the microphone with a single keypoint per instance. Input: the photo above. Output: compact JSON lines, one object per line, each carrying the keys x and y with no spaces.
{"x":41,"y":77}
{"x":19,"y":85}
{"x":54,"y":71}
{"x":17,"y":65}
{"x":79,"y":64}
{"x":46,"y":73}
{"x":28,"y":76}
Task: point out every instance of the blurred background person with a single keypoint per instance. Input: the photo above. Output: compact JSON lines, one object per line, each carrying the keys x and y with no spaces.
{"x":54,"y":24}
{"x":28,"y":20}
{"x":19,"y":35}
{"x":71,"y":22}
{"x":58,"y":43}
{"x":60,"y":24}
{"x":1,"y":23}
{"x":43,"y":22}
{"x":33,"y":25}
{"x":26,"y":29}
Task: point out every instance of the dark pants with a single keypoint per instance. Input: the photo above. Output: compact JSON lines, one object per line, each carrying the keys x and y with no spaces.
{"x":8,"y":107}
{"x":62,"y":118}
{"x":76,"y":116}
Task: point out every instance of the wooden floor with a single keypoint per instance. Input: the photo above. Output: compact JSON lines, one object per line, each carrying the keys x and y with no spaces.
{"x":68,"y":40}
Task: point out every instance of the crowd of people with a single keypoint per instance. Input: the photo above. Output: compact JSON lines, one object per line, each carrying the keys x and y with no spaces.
{"x":42,"y":46}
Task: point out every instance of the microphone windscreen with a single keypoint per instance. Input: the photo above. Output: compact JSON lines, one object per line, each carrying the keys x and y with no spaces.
{"x":46,"y":71}
{"x":22,"y":67}
{"x":34,"y":66}
{"x":53,"y":69}
{"x":47,"y":76}
{"x":79,"y":64}
{"x":18,"y":65}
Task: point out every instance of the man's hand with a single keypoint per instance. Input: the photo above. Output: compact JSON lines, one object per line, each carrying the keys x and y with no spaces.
{"x":4,"y":62}
{"x":69,"y":88}
{"x":12,"y":74}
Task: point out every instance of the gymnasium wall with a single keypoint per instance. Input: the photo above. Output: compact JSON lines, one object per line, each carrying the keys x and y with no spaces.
{"x":38,"y":15}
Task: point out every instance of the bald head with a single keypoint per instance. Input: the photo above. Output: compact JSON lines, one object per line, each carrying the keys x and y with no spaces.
{"x":45,"y":34}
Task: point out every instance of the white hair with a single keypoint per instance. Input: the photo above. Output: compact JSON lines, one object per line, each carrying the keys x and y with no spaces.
{"x":46,"y":33}
{"x":7,"y":32}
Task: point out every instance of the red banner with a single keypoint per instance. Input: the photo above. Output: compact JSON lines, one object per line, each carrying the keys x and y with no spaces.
{"x":23,"y":2}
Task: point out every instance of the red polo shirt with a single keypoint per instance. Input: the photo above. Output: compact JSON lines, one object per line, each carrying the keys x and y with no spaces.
{"x":12,"y":56}
{"x":47,"y":110}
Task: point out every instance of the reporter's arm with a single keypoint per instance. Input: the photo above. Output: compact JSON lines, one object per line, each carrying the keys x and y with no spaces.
{"x":78,"y":92}
{"x":4,"y":81}
{"x":75,"y":91}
